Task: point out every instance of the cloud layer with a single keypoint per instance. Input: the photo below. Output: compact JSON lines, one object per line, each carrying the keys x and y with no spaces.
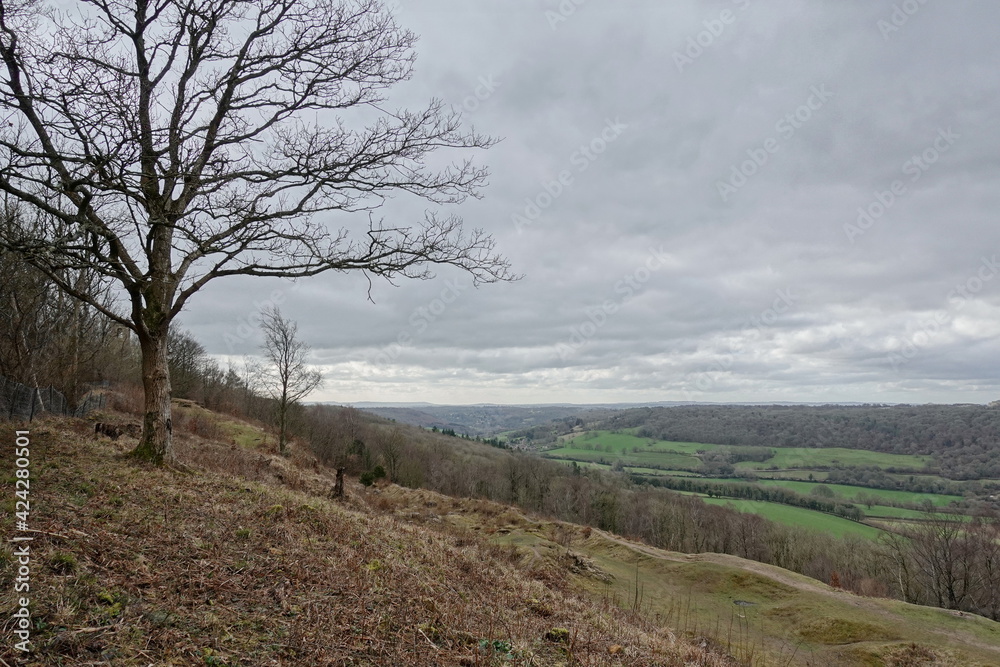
{"x":719,"y":201}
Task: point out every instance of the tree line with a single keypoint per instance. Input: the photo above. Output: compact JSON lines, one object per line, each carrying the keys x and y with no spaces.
{"x":744,"y":491}
{"x":964,"y":439}
{"x":49,"y":339}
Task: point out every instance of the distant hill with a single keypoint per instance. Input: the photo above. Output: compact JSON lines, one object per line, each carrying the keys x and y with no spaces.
{"x":487,"y":420}
{"x":963,"y":438}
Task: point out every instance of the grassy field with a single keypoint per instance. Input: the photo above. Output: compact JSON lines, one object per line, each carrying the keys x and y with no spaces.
{"x":809,"y":457}
{"x":638,"y":459}
{"x":799,"y":517}
{"x":818,"y":475}
{"x":626,"y":441}
{"x":874,"y":512}
{"x":633,"y":450}
{"x":850,"y":493}
{"x":639,"y":470}
{"x":884,"y":511}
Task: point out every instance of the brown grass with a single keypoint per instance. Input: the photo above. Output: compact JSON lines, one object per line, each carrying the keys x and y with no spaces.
{"x":240,"y":559}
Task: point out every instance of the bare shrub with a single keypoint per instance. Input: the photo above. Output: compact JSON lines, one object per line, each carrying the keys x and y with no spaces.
{"x":128,"y":399}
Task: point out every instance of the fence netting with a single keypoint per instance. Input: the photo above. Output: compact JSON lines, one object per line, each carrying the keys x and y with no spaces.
{"x":18,"y":401}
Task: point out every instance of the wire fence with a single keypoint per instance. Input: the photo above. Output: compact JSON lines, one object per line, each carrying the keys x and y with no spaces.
{"x":18,"y":401}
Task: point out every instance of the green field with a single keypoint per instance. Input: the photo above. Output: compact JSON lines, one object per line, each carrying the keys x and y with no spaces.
{"x":884,"y":511}
{"x":809,"y":457}
{"x":818,"y":475}
{"x":603,"y":449}
{"x":799,"y":517}
{"x":632,"y":469}
{"x":850,"y":493}
{"x":625,"y":443}
{"x":633,"y":450}
{"x":657,"y":471}
{"x":641,"y":459}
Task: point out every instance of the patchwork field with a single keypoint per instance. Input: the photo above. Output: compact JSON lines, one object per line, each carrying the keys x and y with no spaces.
{"x":787,"y":468}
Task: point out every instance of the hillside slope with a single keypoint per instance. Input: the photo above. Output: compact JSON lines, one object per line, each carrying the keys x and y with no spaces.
{"x":242,"y":560}
{"x":763,"y":615}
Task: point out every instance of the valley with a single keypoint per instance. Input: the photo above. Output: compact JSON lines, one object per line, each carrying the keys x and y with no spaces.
{"x":802,"y":471}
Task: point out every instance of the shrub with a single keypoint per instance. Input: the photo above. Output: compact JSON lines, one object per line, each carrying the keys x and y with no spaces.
{"x":63,"y":563}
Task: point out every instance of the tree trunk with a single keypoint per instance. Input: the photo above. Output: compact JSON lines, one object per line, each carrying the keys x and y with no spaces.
{"x":282,"y":419}
{"x":338,"y":486}
{"x":156,"y":444}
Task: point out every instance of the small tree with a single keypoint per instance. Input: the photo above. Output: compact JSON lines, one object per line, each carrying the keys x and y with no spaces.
{"x":285,"y":377}
{"x":822,"y":491}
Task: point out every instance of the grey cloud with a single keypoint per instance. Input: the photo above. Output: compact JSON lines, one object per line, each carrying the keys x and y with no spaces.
{"x":656,"y":185}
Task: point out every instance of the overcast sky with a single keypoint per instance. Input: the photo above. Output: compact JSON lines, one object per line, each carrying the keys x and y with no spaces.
{"x":717,"y":200}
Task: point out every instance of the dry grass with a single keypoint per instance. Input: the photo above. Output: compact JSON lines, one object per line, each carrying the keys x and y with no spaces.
{"x":242,"y":560}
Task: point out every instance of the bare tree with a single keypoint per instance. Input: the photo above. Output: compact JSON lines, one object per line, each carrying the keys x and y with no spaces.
{"x":167,"y":143}
{"x":984,"y":544}
{"x":285,"y":376}
{"x":48,"y":338}
{"x":941,"y":552}
{"x":391,"y":448}
{"x":186,"y":360}
{"x":897,"y":554}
